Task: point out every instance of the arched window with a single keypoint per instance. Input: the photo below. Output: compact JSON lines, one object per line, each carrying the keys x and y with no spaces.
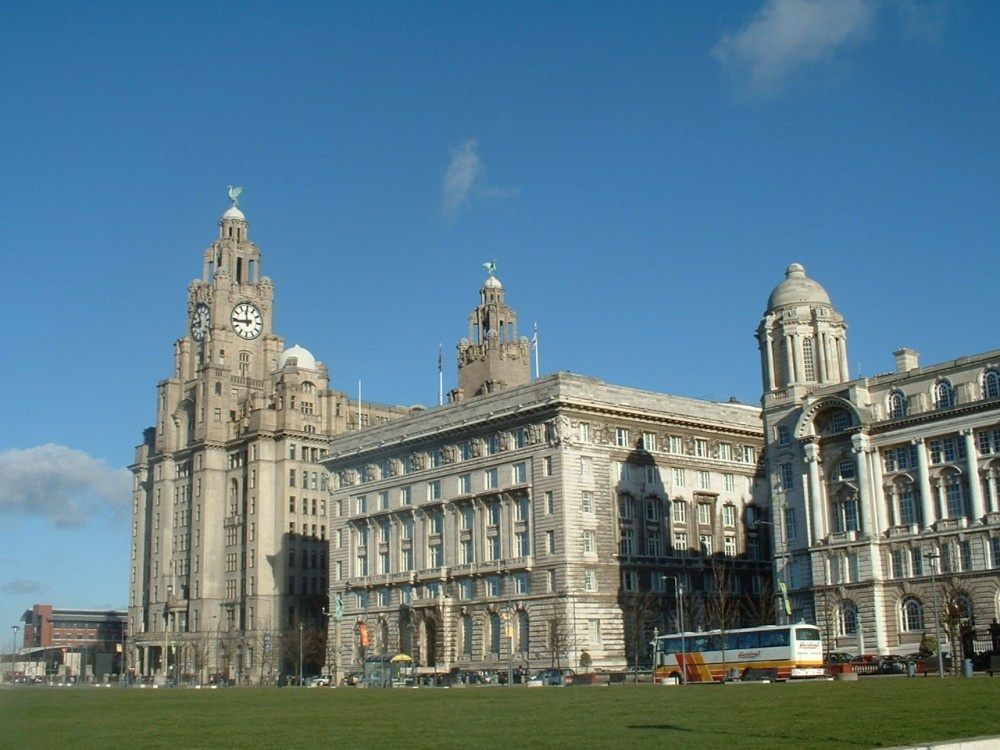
{"x":808,"y":361}
{"x":848,"y":618}
{"x":897,"y":405}
{"x":991,"y":384}
{"x":467,"y":638}
{"x":912,"y":615}
{"x":944,"y":395}
{"x":523,"y":632}
{"x":961,"y":607}
{"x":494,"y":633}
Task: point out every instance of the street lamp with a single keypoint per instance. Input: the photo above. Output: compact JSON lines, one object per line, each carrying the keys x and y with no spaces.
{"x":679,"y":599}
{"x":932,"y":558}
{"x":13,"y":648}
{"x":510,"y":627}
{"x":301,"y":681}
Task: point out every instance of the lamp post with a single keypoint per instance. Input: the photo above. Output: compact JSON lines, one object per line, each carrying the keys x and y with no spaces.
{"x":13,"y":648}
{"x":166,"y":627}
{"x":679,"y":599}
{"x":510,"y":627}
{"x":301,"y":681}
{"x":932,"y":558}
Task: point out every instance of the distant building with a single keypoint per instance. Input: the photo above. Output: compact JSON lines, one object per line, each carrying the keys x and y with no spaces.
{"x":230,"y":522}
{"x":88,"y":641}
{"x":534,"y":521}
{"x":878,"y":482}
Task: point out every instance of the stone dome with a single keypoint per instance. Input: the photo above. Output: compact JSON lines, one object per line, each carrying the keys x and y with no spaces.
{"x":492,"y":282}
{"x":797,"y":289}
{"x":233,"y":213}
{"x":297,"y":356}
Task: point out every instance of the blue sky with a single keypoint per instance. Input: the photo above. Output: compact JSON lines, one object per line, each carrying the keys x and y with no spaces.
{"x":642,"y":172}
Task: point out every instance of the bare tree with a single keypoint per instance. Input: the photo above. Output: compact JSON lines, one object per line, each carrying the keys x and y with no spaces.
{"x":560,"y":637}
{"x":640,"y":610}
{"x":759,"y":608}
{"x":722,"y":605}
{"x":955,"y":617}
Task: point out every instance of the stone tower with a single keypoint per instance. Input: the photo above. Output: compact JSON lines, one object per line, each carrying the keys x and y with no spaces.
{"x":493,"y":357}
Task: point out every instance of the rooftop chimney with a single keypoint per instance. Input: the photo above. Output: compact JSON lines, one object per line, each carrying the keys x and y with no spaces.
{"x":906,"y":360}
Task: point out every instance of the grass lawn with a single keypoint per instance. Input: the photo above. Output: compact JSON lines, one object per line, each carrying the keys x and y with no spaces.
{"x":863,"y":714}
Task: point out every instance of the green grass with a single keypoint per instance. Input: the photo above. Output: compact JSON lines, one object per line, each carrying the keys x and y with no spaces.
{"x":863,"y":714}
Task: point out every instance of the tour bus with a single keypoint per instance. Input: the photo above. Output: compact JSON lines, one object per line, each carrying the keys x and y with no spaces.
{"x":770,"y":651}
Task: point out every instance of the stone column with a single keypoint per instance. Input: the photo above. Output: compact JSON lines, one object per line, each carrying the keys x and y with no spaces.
{"x":926,"y":498}
{"x":859,"y":444}
{"x":975,"y":484}
{"x":884,"y":511}
{"x":768,"y":363}
{"x":845,"y":370}
{"x":817,"y":499}
{"x":992,"y":488}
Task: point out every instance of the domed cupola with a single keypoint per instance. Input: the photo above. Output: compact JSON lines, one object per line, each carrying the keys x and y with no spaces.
{"x":297,"y":356}
{"x":802,"y":338}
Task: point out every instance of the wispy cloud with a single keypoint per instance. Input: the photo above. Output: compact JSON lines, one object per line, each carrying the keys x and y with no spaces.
{"x":465,"y":178}
{"x":20,"y":587}
{"x":785,"y":36}
{"x":65,"y":486}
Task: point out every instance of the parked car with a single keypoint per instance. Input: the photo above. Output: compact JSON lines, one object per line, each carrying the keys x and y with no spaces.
{"x":838,"y":657}
{"x":551,"y":677}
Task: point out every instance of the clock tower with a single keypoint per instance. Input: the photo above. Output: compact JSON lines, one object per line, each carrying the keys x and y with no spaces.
{"x":229,"y":535}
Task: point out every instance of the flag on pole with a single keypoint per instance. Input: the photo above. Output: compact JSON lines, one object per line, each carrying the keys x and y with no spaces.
{"x":440,"y":357}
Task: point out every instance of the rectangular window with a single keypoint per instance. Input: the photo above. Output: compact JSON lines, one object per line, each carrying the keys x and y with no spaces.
{"x":587,"y":501}
{"x":291,"y":477}
{"x":791,"y":533}
{"x":898,"y":562}
{"x":725,"y":452}
{"x":677,"y":477}
{"x":675,"y":445}
{"x":590,"y":581}
{"x":586,"y":466}
{"x":649,"y":441}
{"x":361,"y":505}
{"x":786,"y":479}
{"x":621,"y":437}
{"x":490,"y":479}
{"x":630,"y":580}
{"x":522,"y":544}
{"x":465,"y":484}
{"x":584,"y":432}
{"x":680,"y":544}
{"x":994,"y":551}
{"x":520,"y":473}
{"x":704,"y":481}
{"x":493,"y":511}
{"x":729,"y":516}
{"x":965,"y":554}
{"x":680,"y":511}
{"x":589,"y":542}
{"x":547,"y":466}
{"x":705,"y":541}
{"x":652,"y":510}
{"x":468,"y":552}
{"x":701,"y":448}
{"x":550,"y":542}
{"x":728,"y":483}
{"x":406,"y":496}
{"x":749,"y":454}
{"x":654,"y":544}
{"x":550,"y":502}
{"x":625,"y":507}
{"x":626,"y":545}
{"x":434,"y":490}
{"x":383,"y":500}
{"x":704,"y":514}
{"x":493,"y":545}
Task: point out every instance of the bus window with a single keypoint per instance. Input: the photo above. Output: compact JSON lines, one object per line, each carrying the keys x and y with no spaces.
{"x":748,"y":640}
{"x":772,"y":638}
{"x":806,"y":634}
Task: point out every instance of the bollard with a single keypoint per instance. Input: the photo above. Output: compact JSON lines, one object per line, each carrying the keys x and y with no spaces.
{"x":967,"y":668}
{"x":911,"y":669}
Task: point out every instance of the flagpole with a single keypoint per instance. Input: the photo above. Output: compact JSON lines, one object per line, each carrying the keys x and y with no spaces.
{"x":359,"y":404}
{"x":534,"y":345}
{"x":440,"y":374}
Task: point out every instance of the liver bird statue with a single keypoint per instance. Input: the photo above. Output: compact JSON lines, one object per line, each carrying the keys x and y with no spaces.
{"x":234,"y":195}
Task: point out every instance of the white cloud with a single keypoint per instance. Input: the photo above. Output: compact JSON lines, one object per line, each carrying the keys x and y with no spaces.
{"x":788,"y":35}
{"x":20,"y":587}
{"x":463,"y":179}
{"x":63,"y":485}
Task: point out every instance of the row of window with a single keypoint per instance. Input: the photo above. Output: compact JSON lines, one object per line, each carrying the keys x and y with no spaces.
{"x":490,"y":480}
{"x":943,"y":394}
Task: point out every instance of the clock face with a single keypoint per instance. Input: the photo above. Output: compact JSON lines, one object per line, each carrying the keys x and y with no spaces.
{"x":247,"y":321}
{"x":200,"y":321}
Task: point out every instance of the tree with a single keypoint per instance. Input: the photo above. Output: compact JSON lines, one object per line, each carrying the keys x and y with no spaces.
{"x":560,"y":637}
{"x":759,"y":608}
{"x":640,"y":610}
{"x":722,"y":606}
